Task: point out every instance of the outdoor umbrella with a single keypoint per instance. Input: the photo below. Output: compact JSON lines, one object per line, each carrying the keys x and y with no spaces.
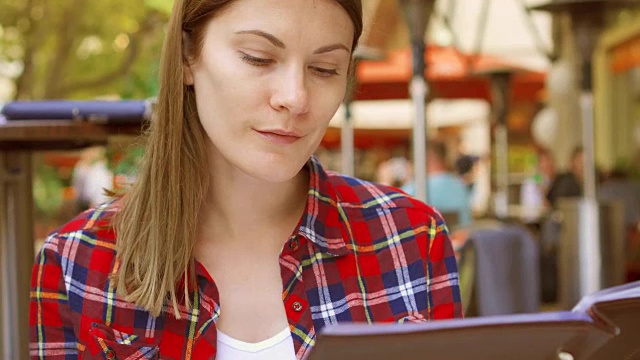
{"x":450,"y":74}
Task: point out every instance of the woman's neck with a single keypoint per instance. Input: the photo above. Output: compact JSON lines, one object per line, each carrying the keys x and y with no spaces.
{"x":239,"y":207}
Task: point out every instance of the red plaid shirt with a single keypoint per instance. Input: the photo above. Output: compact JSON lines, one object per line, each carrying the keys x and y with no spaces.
{"x":362,"y":253}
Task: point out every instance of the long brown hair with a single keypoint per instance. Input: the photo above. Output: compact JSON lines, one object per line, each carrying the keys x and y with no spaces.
{"x":157,"y":223}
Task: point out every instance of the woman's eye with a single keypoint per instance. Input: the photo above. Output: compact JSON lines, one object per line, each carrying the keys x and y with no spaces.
{"x":256,"y":61}
{"x":324,"y":71}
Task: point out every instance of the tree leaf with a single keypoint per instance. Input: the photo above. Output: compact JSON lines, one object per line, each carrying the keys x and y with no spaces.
{"x":66,"y":54}
{"x":161,"y":5}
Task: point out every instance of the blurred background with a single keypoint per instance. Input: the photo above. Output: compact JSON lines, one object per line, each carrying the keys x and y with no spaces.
{"x":533,"y":110}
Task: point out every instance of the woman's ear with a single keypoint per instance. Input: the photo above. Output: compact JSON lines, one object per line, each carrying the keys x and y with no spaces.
{"x":187,"y":74}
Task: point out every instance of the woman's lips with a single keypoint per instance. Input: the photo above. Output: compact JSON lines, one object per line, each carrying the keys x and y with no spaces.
{"x":279,"y":137}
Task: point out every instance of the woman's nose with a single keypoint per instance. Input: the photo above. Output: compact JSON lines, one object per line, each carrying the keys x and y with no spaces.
{"x":290,"y":93}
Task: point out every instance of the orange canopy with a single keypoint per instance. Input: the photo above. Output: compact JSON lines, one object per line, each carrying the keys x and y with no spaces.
{"x":450,"y":74}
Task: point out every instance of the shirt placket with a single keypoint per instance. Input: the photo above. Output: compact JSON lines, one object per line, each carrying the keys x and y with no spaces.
{"x":205,"y":333}
{"x":294,"y":297}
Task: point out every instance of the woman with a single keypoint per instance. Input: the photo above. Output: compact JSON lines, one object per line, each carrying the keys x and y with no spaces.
{"x":228,"y":190}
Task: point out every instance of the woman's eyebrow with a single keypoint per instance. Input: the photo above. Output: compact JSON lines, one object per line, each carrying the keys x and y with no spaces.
{"x":278,"y":43}
{"x":272,"y":39}
{"x":330,"y":48}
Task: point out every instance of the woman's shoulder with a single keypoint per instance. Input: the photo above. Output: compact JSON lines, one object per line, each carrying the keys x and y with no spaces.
{"x":357,"y":193}
{"x":384,"y":211}
{"x":89,"y":231}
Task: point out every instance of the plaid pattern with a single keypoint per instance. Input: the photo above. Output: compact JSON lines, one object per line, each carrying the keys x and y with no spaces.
{"x":362,"y":253}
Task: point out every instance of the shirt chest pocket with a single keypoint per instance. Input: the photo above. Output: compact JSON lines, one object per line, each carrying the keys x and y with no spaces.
{"x":112,"y":344}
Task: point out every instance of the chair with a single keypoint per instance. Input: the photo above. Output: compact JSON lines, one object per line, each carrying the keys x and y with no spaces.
{"x":499,"y":272}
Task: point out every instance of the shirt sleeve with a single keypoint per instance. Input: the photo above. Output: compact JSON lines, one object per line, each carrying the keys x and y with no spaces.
{"x":442,"y":271}
{"x":51,"y":331}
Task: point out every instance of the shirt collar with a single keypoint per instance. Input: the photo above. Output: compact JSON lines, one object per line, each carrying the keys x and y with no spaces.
{"x":324,"y":222}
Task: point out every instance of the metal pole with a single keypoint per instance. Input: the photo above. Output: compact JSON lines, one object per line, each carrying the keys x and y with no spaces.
{"x":347,"y":142}
{"x":419,"y":90}
{"x":417,"y":13}
{"x":502,"y":171}
{"x":418,"y":94}
{"x":590,"y":255}
{"x":588,"y":142}
{"x":587,"y":30}
{"x":500,"y":94}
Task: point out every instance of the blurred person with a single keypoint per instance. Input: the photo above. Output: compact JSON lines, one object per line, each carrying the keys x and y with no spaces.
{"x":564,"y":185}
{"x":533,"y":192}
{"x":234,"y":241}
{"x":474,"y":173}
{"x":546,"y":169}
{"x":91,"y":177}
{"x":466,"y":167}
{"x":446,"y":191}
{"x":394,"y":172}
{"x":569,"y":183}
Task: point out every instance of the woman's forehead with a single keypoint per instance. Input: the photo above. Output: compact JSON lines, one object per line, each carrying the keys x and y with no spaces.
{"x":290,"y":21}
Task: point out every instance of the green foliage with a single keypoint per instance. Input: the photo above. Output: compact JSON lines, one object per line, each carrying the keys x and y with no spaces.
{"x":625,"y":167}
{"x":160,"y":5}
{"x":47,"y":190}
{"x":83,"y":49}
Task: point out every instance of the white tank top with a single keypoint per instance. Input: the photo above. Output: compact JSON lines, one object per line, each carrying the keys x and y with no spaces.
{"x":279,"y":347}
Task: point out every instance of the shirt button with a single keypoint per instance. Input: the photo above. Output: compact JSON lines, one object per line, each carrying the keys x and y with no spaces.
{"x":293,"y":245}
{"x":111,"y":355}
{"x":297,"y":306}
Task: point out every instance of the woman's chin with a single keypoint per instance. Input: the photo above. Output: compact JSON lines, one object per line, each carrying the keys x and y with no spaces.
{"x":275,"y":169}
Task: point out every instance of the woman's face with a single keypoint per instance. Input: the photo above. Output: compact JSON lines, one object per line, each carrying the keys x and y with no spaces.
{"x":270,"y":76}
